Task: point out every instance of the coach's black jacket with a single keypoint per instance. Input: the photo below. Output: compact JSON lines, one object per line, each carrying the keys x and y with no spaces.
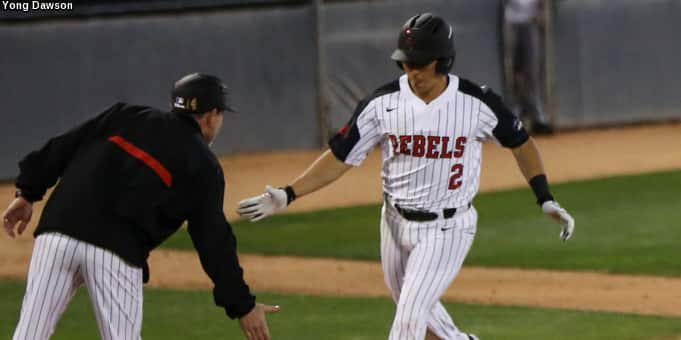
{"x":129,"y":178}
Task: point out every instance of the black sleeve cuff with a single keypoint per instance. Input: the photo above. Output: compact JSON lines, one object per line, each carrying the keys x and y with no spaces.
{"x":145,"y":272}
{"x":540,"y":187}
{"x":28,"y":195}
{"x":515,"y":140}
{"x":237,"y":311}
{"x":337,"y":148}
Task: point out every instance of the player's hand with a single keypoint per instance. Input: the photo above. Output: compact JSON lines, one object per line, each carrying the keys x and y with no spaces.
{"x":258,"y":207}
{"x":254,"y":324}
{"x":560,"y":215}
{"x":20,"y":210}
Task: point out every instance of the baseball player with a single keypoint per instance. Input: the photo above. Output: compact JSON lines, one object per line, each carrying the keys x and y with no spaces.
{"x":128,"y":179}
{"x":430,"y":126}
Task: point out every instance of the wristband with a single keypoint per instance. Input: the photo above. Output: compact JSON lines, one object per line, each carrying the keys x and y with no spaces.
{"x":540,"y":187}
{"x":290,"y":194}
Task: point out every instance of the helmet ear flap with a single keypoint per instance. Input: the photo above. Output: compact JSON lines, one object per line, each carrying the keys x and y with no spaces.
{"x":444,"y":65}
{"x":399,"y":65}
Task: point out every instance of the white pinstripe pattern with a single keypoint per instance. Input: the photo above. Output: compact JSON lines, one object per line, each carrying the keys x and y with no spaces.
{"x":420,"y":261}
{"x":421,"y":182}
{"x":61,"y":264}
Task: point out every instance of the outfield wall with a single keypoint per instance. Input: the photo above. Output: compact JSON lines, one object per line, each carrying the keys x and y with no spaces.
{"x":615,"y":61}
{"x":58,"y":72}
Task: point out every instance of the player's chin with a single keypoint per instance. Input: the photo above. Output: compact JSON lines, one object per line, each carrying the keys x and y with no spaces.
{"x":419,"y":85}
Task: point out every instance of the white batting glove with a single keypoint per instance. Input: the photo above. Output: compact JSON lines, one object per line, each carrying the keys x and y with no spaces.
{"x":560,"y":215}
{"x":258,"y":207}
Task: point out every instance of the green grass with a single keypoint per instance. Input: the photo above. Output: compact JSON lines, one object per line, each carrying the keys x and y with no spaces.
{"x":176,"y":314}
{"x":344,"y":233}
{"x":624,"y":224}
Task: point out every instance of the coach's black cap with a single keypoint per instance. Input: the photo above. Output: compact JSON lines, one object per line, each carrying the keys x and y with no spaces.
{"x":198,"y":93}
{"x":424,"y":38}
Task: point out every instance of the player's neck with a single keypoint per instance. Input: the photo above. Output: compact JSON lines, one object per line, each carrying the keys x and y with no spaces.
{"x":435,"y":91}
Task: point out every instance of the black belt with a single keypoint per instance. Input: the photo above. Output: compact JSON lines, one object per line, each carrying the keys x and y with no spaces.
{"x":424,"y":216}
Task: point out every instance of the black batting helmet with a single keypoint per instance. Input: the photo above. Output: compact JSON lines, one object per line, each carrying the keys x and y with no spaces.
{"x":197,"y":93}
{"x":424,"y":38}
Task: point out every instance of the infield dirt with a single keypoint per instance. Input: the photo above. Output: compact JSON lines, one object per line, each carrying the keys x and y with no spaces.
{"x":567,"y":156}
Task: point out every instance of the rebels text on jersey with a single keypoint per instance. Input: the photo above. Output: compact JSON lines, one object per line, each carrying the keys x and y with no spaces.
{"x":431,"y":152}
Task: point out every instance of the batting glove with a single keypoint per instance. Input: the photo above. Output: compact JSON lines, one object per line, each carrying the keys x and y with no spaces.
{"x":560,"y":215}
{"x":258,"y":207}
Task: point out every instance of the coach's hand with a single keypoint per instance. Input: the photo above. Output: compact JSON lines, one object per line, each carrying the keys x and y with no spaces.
{"x":560,"y":215}
{"x":254,"y":323}
{"x":20,"y":210}
{"x":258,"y":207}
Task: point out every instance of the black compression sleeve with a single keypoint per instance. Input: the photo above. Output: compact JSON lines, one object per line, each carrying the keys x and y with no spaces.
{"x":540,"y":187}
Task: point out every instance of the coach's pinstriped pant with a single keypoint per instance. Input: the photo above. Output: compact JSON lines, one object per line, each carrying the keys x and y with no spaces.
{"x":61,"y":264}
{"x":420,"y":260}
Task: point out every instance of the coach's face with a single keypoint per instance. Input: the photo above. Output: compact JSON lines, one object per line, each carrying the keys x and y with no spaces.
{"x":212,"y":123}
{"x":422,"y":78}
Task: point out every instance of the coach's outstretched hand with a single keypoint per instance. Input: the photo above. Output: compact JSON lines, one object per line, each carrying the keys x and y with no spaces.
{"x":258,"y":207}
{"x":560,"y":215}
{"x":254,"y":323}
{"x":20,"y":210}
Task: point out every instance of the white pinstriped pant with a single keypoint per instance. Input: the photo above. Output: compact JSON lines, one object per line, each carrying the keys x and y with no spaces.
{"x":61,"y":264}
{"x":420,"y":260}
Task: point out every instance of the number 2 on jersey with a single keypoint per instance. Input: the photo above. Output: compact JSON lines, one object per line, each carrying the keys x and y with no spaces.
{"x":457,"y":172}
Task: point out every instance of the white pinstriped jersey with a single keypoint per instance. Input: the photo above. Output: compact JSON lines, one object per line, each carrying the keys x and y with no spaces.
{"x":431,"y":152}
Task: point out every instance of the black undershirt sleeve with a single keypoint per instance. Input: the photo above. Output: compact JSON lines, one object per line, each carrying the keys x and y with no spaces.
{"x":509,"y":130}
{"x":347,"y":137}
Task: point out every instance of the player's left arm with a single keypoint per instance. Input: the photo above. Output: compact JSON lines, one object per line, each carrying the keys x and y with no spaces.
{"x":529,"y":161}
{"x":214,"y":240}
{"x":499,"y":123}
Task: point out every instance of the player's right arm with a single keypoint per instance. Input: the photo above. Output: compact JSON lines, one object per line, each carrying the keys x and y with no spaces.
{"x":41,"y":169}
{"x":347,"y":148}
{"x":323,"y":171}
